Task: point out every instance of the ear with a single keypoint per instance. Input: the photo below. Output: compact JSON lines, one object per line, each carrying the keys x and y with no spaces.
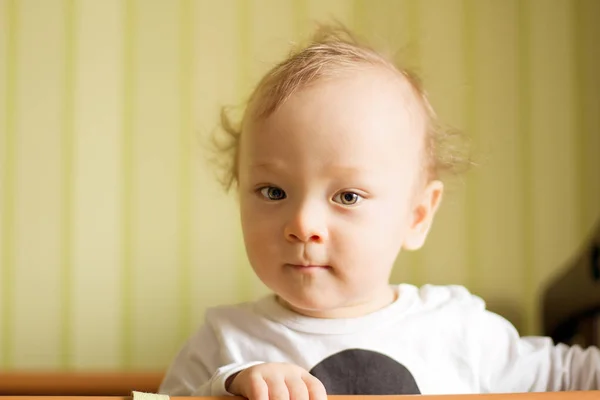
{"x":422,"y":216}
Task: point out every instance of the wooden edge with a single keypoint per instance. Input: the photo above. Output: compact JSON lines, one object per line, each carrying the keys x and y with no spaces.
{"x":575,"y":395}
{"x":71,"y":383}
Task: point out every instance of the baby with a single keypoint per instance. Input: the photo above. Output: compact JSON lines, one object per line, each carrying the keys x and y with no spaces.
{"x":336,"y":166}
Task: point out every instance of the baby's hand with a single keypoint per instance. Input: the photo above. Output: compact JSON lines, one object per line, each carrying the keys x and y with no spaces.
{"x":277,"y":381}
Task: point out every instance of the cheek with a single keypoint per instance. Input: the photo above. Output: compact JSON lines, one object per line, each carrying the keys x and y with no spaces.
{"x":377,"y":233}
{"x":256,"y":218}
{"x":260,"y":232}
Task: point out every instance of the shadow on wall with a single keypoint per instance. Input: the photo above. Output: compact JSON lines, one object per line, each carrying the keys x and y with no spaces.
{"x":571,"y":303}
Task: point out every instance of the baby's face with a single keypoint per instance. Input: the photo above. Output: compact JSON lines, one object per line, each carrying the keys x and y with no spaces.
{"x":327,"y":187}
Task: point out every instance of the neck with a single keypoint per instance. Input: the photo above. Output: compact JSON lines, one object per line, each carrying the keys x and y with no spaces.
{"x":360,"y":308}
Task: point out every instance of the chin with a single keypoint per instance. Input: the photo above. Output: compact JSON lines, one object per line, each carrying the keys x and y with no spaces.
{"x":309,"y":305}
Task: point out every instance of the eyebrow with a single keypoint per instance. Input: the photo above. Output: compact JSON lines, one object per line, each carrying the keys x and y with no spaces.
{"x":347,"y":169}
{"x":341,"y":169}
{"x":268,"y":165}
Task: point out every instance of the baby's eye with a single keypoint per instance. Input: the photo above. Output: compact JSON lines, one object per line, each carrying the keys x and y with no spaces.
{"x":347,"y":198}
{"x":273,"y":193}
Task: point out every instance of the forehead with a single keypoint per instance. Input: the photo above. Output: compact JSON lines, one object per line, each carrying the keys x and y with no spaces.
{"x":363,"y":116}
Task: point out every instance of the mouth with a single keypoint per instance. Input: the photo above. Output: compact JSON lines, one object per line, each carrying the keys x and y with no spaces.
{"x":308,"y":267}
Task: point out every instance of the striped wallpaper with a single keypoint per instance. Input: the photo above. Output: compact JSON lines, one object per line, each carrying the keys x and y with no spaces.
{"x":115,"y":236}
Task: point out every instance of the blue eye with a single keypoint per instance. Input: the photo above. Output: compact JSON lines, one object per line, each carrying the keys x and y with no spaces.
{"x":273,"y":193}
{"x":347,"y":198}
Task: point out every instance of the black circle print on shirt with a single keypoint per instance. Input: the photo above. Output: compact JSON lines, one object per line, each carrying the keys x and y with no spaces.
{"x":364,"y":372}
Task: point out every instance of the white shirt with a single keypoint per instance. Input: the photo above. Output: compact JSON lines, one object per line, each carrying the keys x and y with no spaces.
{"x":432,"y":340}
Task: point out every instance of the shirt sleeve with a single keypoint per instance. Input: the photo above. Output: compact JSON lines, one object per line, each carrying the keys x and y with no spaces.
{"x":509,"y":363}
{"x":196,"y":370}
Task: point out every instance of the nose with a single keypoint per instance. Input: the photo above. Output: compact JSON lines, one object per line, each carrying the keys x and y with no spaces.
{"x":306,"y":224}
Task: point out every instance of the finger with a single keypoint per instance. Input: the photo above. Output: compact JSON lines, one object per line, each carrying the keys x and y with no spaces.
{"x":297,"y":388}
{"x":277,"y":388}
{"x":257,"y":389}
{"x":316,"y":390}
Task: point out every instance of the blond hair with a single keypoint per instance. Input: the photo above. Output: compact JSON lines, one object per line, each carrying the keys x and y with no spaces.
{"x":333,"y":49}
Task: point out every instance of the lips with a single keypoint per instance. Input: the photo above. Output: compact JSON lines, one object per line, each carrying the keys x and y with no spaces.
{"x":309,"y":267}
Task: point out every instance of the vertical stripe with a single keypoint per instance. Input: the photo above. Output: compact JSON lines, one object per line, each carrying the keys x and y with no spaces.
{"x":592,"y":60}
{"x":128,"y":181}
{"x":67,"y":189}
{"x":157,"y":118}
{"x":580,"y":134}
{"x":38,"y":185}
{"x":8,"y":209}
{"x":96,"y":250}
{"x":592,"y":51}
{"x":472,"y":210}
{"x":185,"y":181}
{"x":525,"y":148}
{"x":244,"y":278}
{"x":595,"y":60}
